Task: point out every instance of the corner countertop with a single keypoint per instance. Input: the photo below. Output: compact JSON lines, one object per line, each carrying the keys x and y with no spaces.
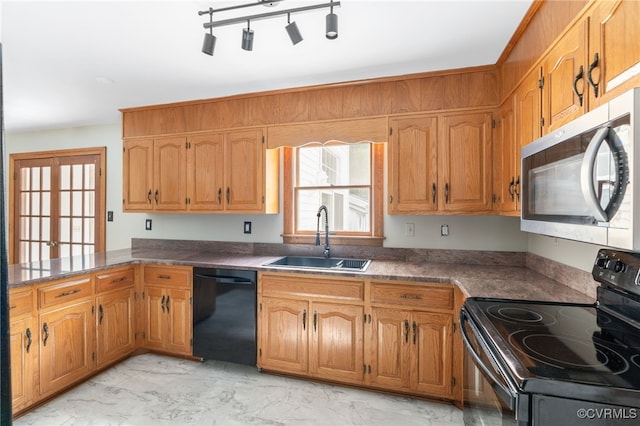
{"x":512,"y":282}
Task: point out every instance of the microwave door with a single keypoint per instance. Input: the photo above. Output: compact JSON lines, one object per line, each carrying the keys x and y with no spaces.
{"x":603,"y":174}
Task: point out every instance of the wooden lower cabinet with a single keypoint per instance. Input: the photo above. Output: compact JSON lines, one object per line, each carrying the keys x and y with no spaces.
{"x":307,"y":326}
{"x":114,"y":322}
{"x":66,"y":345}
{"x":168,"y":309}
{"x":411,"y":351}
{"x":23,"y":337}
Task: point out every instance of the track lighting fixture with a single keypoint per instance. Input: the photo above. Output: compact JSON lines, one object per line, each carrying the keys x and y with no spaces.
{"x":209,"y":42}
{"x":247,"y":33}
{"x":293,"y":31}
{"x":247,"y":37}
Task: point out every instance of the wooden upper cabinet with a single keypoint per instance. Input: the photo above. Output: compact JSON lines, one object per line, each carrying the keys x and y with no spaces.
{"x":170,"y":178}
{"x":565,"y":79}
{"x":505,"y":160}
{"x":614,"y":50}
{"x":154,"y":174}
{"x":465,"y":163}
{"x":137,"y":168}
{"x":205,"y":172}
{"x":244,"y":170}
{"x":413,"y":164}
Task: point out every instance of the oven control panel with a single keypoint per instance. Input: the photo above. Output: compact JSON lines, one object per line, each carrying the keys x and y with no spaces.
{"x":618,"y":268}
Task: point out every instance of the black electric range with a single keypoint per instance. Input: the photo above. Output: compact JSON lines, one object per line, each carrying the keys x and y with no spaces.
{"x":550,"y":363}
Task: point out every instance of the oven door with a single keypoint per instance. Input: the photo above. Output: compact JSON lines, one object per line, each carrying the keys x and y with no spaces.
{"x":490,"y":398}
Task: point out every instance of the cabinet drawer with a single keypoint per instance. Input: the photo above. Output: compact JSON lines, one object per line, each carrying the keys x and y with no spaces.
{"x":422,"y":296}
{"x":20,"y":303}
{"x":64,"y":291}
{"x":305,"y":286}
{"x":115,"y":279}
{"x":168,"y":275}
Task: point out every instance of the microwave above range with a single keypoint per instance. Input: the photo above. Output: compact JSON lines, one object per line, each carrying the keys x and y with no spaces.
{"x":578,"y":182}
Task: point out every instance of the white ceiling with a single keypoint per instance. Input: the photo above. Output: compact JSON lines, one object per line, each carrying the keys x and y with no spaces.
{"x":75,"y":63}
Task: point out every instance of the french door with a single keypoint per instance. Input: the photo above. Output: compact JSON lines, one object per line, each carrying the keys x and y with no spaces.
{"x":58,"y":198}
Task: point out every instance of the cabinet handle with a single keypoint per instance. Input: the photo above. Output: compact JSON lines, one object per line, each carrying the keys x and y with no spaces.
{"x":156,"y":197}
{"x":162,"y":303}
{"x":512,"y":188}
{"x":219,"y":195}
{"x":166,"y":302}
{"x":406,"y":331}
{"x":164,"y":277}
{"x":315,"y":320}
{"x":414,"y":332}
{"x":390,"y":199}
{"x":69,"y":293}
{"x":118,"y":280}
{"x":149,"y":197}
{"x":29,"y":340}
{"x":45,"y":329}
{"x":594,"y":64}
{"x":228,"y":194}
{"x":434,"y":192}
{"x":411,"y":296}
{"x":517,"y":187}
{"x":446,"y":192}
{"x":12,"y":307}
{"x":304,"y":319}
{"x":575,"y":83}
{"x":100,"y":314}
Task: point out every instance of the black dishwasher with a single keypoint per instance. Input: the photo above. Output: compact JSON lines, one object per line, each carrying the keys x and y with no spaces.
{"x":224,"y":315}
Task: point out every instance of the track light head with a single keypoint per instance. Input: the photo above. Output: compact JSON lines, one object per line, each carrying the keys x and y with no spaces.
{"x":209,"y":44}
{"x":293,"y":31}
{"x":332,"y":26}
{"x":247,"y":38}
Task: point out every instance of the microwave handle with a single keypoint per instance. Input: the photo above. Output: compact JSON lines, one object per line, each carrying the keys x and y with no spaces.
{"x":586,"y":174}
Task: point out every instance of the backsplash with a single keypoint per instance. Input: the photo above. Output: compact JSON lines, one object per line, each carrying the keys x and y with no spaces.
{"x":574,"y":278}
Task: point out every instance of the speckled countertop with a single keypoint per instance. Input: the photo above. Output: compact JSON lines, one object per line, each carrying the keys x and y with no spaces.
{"x":487,"y":280}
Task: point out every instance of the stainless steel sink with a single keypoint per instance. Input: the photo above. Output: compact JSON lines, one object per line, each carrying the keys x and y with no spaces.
{"x":321,"y":263}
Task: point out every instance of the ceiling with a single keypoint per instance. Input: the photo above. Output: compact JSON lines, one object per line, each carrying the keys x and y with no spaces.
{"x":75,"y":63}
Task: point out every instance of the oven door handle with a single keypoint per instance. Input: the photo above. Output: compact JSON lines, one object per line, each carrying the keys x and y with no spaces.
{"x":508,"y":390}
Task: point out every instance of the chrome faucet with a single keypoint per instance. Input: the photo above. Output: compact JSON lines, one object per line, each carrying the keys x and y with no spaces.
{"x":326,"y":229}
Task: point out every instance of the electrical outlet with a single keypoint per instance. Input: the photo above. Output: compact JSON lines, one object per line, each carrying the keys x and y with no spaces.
{"x":444,"y":230}
{"x":247,"y":227}
{"x":409,"y":229}
{"x":147,"y":225}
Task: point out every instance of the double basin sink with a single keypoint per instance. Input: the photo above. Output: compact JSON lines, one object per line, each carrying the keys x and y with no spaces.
{"x":327,"y":263}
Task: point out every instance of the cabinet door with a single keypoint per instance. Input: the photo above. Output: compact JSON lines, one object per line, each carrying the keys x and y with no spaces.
{"x":170,"y":173}
{"x":614,"y":34}
{"x":205,"y":166}
{"x":413,"y":165}
{"x":389,"y":353}
{"x":336,"y":343}
{"x":24,"y":350}
{"x":155,"y":323}
{"x":465,"y":163}
{"x":137,"y":180}
{"x":244,"y":171}
{"x":66,"y":339}
{"x":283,"y":336}
{"x":431,"y":337}
{"x":564,"y":93}
{"x":505,"y":156}
{"x":179,"y":321}
{"x":114,"y":322}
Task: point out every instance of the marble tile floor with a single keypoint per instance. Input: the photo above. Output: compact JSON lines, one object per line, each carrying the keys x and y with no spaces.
{"x":157,"y":390}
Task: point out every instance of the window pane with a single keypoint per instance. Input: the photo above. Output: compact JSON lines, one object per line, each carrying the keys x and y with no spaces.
{"x":46,"y":204}
{"x":46,"y":178}
{"x":45,"y":251}
{"x":35,"y":179}
{"x":76,"y":249}
{"x":334,"y":165}
{"x":89,"y":227}
{"x":24,"y":251}
{"x":46,"y":229}
{"x":89,"y":176}
{"x":65,"y":177}
{"x":25,"y":205}
{"x":25,"y":178}
{"x":35,"y":228}
{"x":24,"y":228}
{"x":76,"y":230}
{"x":64,"y":250}
{"x":348,"y":209}
{"x":89,"y":203}
{"x":77,"y":203}
{"x":35,"y":203}
{"x":77,"y":176}
{"x":65,"y":203}
{"x":65,"y":230}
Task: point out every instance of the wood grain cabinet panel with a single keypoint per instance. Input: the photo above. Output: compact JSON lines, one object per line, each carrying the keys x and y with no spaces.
{"x":205,"y":172}
{"x":23,"y":340}
{"x":114,"y":325}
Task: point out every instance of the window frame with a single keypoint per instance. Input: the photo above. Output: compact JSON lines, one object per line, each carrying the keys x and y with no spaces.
{"x":374,"y":238}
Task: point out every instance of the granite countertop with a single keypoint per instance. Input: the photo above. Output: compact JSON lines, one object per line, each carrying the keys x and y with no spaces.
{"x":513,"y":282}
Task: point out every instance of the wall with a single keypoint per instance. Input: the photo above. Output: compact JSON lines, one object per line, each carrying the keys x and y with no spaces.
{"x":465,"y":232}
{"x":578,"y":255}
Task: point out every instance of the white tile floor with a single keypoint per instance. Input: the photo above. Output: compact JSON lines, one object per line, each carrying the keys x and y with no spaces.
{"x":157,"y":390}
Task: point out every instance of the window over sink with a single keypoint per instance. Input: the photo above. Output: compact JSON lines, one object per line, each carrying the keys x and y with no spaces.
{"x":344,"y":177}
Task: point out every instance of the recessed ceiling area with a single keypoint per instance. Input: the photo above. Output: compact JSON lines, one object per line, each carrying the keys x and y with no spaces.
{"x":75,"y":63}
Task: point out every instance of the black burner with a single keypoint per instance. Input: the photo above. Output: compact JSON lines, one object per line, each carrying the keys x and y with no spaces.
{"x":520,"y":315}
